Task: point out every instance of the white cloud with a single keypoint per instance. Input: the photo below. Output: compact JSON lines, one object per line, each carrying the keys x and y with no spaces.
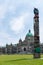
{"x":17,"y":24}
{"x":2,"y":11}
{"x":41,"y":34}
{"x":5,"y":7}
{"x":1,"y":44}
{"x":6,"y":38}
{"x":41,"y":29}
{"x":3,"y":34}
{"x":0,"y":23}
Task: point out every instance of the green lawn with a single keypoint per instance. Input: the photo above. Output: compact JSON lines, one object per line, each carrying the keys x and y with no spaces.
{"x":20,"y":60}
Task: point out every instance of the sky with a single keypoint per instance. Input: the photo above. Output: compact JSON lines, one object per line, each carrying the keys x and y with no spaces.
{"x":16,"y":18}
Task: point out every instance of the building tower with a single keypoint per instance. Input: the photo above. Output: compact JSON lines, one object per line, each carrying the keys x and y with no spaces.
{"x":36,"y":34}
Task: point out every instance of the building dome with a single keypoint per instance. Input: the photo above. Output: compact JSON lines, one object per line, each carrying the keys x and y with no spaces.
{"x":29,"y":34}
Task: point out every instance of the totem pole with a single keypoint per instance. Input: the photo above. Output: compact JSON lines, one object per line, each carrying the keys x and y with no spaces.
{"x":36,"y":34}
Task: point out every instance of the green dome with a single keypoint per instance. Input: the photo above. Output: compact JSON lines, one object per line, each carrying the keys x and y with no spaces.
{"x":29,"y":34}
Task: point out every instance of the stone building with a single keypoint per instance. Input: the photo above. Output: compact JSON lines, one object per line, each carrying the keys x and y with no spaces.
{"x":22,"y":47}
{"x":26,"y":46}
{"x":11,"y":49}
{"x":41,"y":46}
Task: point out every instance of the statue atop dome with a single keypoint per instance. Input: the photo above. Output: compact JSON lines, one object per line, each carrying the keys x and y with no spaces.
{"x":29,"y":34}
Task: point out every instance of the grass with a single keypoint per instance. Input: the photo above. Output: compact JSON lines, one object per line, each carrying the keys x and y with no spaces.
{"x":20,"y":60}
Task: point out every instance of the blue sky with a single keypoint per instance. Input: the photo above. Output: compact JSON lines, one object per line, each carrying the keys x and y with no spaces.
{"x":16,"y":18}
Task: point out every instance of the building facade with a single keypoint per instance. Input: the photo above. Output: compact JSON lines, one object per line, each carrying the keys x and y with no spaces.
{"x":22,"y":47}
{"x":26,"y":46}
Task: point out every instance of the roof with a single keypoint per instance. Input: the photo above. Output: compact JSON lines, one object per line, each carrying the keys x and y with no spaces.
{"x":29,"y":34}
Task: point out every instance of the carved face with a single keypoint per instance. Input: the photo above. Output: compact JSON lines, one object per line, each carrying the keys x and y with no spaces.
{"x":36,"y":11}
